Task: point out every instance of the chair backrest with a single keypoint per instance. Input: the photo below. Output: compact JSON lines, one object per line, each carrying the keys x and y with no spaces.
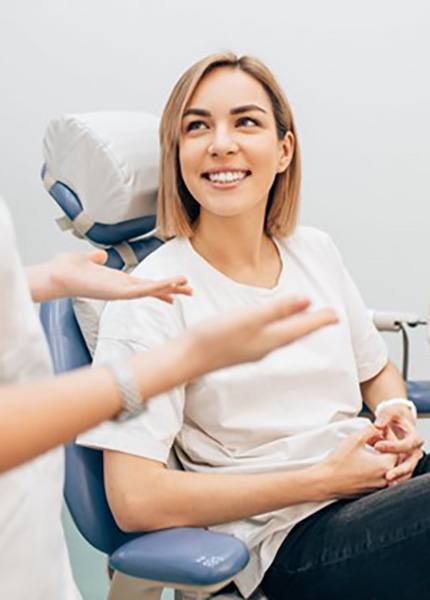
{"x":84,"y":490}
{"x":102,"y":171}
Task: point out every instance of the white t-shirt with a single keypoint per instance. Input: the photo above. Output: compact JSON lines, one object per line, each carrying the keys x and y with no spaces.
{"x":285,"y":412}
{"x":33,"y":557}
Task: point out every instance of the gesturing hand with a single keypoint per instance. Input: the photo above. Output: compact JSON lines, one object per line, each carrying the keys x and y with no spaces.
{"x":250,"y":334}
{"x":397,"y":426}
{"x":84,"y":274}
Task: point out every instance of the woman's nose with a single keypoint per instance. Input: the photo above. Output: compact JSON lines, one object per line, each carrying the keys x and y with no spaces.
{"x":222,"y":143}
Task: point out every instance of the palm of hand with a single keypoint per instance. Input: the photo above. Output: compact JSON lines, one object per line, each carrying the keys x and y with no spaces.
{"x":84,"y":274}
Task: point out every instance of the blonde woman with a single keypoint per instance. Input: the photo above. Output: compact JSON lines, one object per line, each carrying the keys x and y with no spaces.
{"x":272,"y":452}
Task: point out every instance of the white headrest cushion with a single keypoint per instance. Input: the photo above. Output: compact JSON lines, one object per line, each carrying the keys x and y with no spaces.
{"x":109,"y":159}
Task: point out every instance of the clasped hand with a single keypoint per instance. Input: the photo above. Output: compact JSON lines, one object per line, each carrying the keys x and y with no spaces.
{"x":401,"y":438}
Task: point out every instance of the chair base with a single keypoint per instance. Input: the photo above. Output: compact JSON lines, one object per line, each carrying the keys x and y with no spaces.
{"x":124,"y":587}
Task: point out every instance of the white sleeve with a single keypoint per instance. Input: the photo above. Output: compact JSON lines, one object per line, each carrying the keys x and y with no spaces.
{"x":137,"y":326}
{"x":369,"y":348}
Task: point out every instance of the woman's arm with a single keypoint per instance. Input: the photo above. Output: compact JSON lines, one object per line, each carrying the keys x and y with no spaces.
{"x":83,"y":274}
{"x":37,"y":416}
{"x":144,"y":495}
{"x":388,"y":383}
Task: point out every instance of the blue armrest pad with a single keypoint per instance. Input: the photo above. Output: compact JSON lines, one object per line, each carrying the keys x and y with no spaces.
{"x":419,"y":393}
{"x":184,"y":555}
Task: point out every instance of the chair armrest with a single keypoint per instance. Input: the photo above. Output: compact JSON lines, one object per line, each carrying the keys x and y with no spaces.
{"x":192,"y":556}
{"x":389,"y":320}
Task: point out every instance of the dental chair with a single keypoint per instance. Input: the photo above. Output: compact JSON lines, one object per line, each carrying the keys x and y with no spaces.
{"x":101,"y":169}
{"x":112,"y":158}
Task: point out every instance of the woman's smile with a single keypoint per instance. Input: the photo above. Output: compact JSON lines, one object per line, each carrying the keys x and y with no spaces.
{"x":223,"y":179}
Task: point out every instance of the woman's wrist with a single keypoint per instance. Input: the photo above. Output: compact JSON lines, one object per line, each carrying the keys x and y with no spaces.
{"x":42,"y":282}
{"x":320,"y":481}
{"x":172,"y":364}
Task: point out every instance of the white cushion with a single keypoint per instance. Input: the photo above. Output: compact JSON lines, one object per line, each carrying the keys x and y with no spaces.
{"x":88,"y":314}
{"x":109,"y":159}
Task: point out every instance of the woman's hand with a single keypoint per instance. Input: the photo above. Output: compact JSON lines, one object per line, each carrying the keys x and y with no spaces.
{"x":400,"y":437}
{"x":250,"y":334}
{"x":84,"y":274}
{"x":355,"y":467}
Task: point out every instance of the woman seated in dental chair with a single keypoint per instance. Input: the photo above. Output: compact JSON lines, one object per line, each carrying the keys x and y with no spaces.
{"x":276,"y":454}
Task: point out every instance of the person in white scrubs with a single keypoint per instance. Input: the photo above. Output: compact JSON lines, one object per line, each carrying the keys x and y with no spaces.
{"x":39,"y":412}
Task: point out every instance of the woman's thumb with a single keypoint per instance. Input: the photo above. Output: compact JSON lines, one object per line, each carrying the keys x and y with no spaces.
{"x":98,"y":256}
{"x":369,"y":436}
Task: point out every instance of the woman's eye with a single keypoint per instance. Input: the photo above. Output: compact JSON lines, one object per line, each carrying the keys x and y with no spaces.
{"x":196,"y":125}
{"x":247,"y":122}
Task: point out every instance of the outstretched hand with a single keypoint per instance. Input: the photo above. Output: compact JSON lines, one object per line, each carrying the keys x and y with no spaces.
{"x":84,"y":274}
{"x":251,"y":334}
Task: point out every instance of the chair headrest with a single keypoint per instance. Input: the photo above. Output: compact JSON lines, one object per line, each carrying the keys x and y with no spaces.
{"x":102,"y":170}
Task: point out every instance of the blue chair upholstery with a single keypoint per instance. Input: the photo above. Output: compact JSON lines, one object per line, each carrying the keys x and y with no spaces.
{"x":419,"y":393}
{"x":100,"y":233}
{"x":191,"y":556}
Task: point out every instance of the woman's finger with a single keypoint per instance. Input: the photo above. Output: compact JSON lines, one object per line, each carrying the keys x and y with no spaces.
{"x":146,"y":288}
{"x":99,"y":257}
{"x":179,"y":281}
{"x":298,"y":326}
{"x":279,"y":309}
{"x":404,"y":469}
{"x":164,"y":298}
{"x":411,"y":442}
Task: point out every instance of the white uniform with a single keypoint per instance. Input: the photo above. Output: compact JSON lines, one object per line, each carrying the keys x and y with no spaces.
{"x":285,"y":412}
{"x":33,"y":556}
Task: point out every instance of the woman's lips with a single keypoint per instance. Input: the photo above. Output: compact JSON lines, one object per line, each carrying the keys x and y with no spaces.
{"x":225,"y":179}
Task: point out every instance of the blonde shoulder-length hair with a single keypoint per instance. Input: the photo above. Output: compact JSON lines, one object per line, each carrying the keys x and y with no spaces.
{"x":177,"y":210}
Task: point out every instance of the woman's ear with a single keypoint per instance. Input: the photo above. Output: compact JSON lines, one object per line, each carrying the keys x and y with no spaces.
{"x":286,"y":148}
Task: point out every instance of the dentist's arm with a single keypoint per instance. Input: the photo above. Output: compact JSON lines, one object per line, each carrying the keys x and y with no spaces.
{"x":37,"y":416}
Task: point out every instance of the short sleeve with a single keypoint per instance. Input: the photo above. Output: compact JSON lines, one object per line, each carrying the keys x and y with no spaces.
{"x":133,"y":326}
{"x":369,"y":348}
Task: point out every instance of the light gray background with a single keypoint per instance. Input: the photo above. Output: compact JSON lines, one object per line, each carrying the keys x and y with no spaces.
{"x":356,"y":74}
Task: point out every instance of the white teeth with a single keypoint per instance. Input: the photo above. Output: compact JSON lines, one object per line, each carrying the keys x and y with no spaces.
{"x":226,"y":176}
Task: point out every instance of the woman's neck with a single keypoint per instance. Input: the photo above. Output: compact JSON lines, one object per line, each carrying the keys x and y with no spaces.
{"x":239,"y":248}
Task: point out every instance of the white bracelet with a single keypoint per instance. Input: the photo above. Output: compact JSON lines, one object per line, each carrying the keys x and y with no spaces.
{"x":131,"y":398}
{"x":393,"y":402}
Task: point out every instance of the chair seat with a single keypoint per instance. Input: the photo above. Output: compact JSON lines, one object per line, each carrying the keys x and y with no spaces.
{"x":186,"y":555}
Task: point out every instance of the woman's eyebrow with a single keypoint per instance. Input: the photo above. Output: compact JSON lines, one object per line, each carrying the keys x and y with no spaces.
{"x":201,"y":112}
{"x":246,"y":108}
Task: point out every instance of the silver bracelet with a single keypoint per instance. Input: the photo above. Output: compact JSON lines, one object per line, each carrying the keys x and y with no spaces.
{"x":393,"y":402}
{"x":131,"y":398}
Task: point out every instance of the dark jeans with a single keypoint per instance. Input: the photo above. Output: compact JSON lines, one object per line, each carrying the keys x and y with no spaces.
{"x":373,"y":548}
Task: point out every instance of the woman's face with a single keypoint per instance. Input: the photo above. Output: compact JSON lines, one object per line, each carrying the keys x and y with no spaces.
{"x":229,"y":150}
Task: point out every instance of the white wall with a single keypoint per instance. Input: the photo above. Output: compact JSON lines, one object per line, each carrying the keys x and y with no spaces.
{"x":356,"y":74}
